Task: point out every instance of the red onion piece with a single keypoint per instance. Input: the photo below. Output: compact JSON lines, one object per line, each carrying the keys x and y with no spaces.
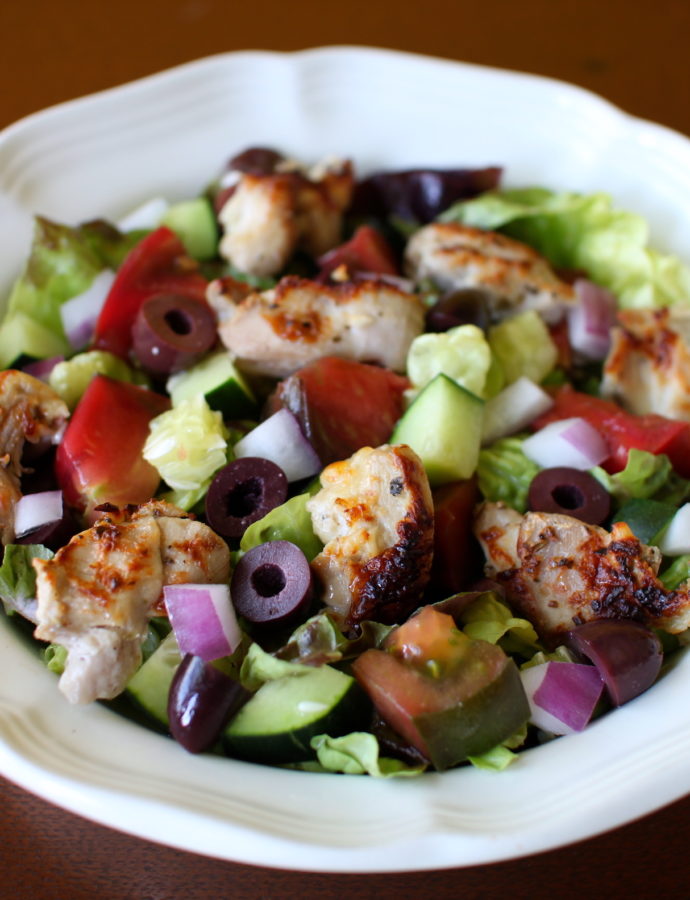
{"x":562,"y":696}
{"x":42,"y":368}
{"x":280,"y":439}
{"x":569,"y":442}
{"x":591,"y":320}
{"x":32,"y":511}
{"x":79,"y":314}
{"x":203,"y":619}
{"x":627,"y":654}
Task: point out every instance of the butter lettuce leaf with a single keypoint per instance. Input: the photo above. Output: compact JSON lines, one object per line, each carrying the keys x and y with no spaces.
{"x":17,"y":576}
{"x":646,"y":476}
{"x":291,"y":521}
{"x":489,"y":619}
{"x":584,"y":231}
{"x":357,"y":753}
{"x":504,"y":473}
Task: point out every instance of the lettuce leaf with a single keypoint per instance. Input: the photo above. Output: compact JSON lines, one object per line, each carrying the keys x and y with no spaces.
{"x":505,"y":473}
{"x":584,"y":231}
{"x":289,"y":522}
{"x":17,"y":576}
{"x":676,"y":573}
{"x":358,"y":754}
{"x":646,"y":476}
{"x":489,"y":619}
{"x":319,"y":640}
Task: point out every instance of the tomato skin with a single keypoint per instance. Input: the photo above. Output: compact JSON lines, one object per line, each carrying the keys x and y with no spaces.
{"x":99,"y":458}
{"x":449,"y":696}
{"x":343,"y":405}
{"x":158,"y":264}
{"x":457,"y":560}
{"x":622,"y":430}
{"x":366,"y":251}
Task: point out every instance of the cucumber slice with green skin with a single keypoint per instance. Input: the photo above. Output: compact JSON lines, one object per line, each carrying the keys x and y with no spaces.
{"x":195,"y":224}
{"x":278,"y":723}
{"x":647,"y":519}
{"x":444,"y":427}
{"x":220,"y":383}
{"x":149,"y":687}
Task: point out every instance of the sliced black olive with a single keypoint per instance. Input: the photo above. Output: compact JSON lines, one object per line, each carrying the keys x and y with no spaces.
{"x":256,"y":161}
{"x":570,"y":492}
{"x":466,"y":306}
{"x":272,"y":584}
{"x":171,"y":332}
{"x":242,"y":493}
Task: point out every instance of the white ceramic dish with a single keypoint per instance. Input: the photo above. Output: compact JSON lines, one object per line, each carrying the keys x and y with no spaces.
{"x":168,"y":135}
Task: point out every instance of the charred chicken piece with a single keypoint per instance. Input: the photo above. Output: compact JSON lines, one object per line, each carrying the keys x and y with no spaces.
{"x":96,"y":595}
{"x":375,"y":515}
{"x":280,"y":330}
{"x":514,"y":276}
{"x":559,"y":572}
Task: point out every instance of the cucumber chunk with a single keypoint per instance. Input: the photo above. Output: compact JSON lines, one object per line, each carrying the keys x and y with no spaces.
{"x":444,"y":427}
{"x":195,"y":223}
{"x":21,"y":335}
{"x":278,"y":723}
{"x":217,"y":379}
{"x":149,"y":687}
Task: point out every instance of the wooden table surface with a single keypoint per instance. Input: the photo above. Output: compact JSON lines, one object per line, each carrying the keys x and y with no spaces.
{"x":635,"y":54}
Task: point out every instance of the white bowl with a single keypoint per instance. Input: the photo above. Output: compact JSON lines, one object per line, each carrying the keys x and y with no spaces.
{"x":170,"y":134}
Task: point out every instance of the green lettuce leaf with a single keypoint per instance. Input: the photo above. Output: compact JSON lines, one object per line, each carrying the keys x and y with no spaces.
{"x":17,"y":576}
{"x":55,"y":658}
{"x":584,"y":231}
{"x":289,"y":522}
{"x":489,"y":619}
{"x":676,"y":573}
{"x":505,"y":473}
{"x":646,"y":476}
{"x":358,"y":754}
{"x":258,"y":667}
{"x":319,"y":640}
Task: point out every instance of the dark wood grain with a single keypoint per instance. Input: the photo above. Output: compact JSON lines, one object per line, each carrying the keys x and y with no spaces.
{"x":634,"y":55}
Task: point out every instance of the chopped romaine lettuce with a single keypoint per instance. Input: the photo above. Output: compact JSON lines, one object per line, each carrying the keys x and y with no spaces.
{"x":584,"y":231}
{"x":358,"y":754}
{"x":319,"y":640}
{"x":676,"y":573}
{"x":505,"y":473}
{"x":17,"y":576}
{"x":489,"y":619}
{"x":523,"y":346}
{"x":289,"y":522}
{"x":70,"y":378}
{"x":55,"y":658}
{"x":645,"y":476}
{"x":461,"y":353}
{"x":187,"y":445}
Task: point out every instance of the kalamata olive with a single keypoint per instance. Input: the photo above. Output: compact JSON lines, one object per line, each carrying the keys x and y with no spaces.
{"x":570,"y":492}
{"x":242,"y":493}
{"x":466,"y":306}
{"x":272,"y":583}
{"x":255,"y":161}
{"x":171,"y":332}
{"x":420,"y":194}
{"x":627,"y":654}
{"x":201,"y":701}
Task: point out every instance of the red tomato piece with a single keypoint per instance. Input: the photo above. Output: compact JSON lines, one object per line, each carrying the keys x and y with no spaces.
{"x":343,"y":405}
{"x":457,"y":561}
{"x":99,"y":458}
{"x":159,"y":264}
{"x":366,"y":251}
{"x":622,"y":430}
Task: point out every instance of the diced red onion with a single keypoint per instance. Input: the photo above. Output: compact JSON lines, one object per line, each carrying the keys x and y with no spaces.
{"x":203,"y":619}
{"x":675,"y":541}
{"x":591,"y":320}
{"x":79,"y":314}
{"x":513,"y":409}
{"x":32,"y":511}
{"x":146,"y":216}
{"x":42,"y":368}
{"x":568,"y":442}
{"x":280,"y":439}
{"x":562,"y":696}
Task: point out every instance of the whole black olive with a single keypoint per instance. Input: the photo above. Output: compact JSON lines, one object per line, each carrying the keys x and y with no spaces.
{"x":272,"y":583}
{"x":256,"y":161}
{"x":570,"y":492}
{"x":201,"y":701}
{"x":171,"y":332}
{"x":465,"y":306}
{"x":242,"y":493}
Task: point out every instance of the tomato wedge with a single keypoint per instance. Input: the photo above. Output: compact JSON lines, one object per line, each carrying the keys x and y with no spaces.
{"x":366,"y":251}
{"x":622,"y":430}
{"x":99,"y":458}
{"x":158,"y":264}
{"x":457,"y":560}
{"x":343,"y":405}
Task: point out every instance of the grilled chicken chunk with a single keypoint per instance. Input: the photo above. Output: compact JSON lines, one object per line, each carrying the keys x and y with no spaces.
{"x":278,"y":331}
{"x":648,"y":365}
{"x":96,"y":595}
{"x":514,"y":276}
{"x":267,"y":217}
{"x":32,"y":412}
{"x":559,"y":572}
{"x":375,"y":515}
